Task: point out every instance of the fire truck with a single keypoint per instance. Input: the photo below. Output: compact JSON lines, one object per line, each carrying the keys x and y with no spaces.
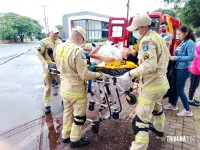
{"x":121,"y":37}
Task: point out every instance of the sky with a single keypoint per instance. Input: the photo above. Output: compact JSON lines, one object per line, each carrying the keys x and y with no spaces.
{"x":54,"y":10}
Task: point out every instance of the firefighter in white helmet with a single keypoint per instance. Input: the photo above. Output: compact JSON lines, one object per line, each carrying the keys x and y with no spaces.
{"x":71,"y":62}
{"x":47,"y":45}
{"x":153,"y":58}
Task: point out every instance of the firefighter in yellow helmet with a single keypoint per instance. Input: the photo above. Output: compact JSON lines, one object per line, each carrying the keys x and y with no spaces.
{"x":153,"y":56}
{"x":46,"y":48}
{"x":71,"y":62}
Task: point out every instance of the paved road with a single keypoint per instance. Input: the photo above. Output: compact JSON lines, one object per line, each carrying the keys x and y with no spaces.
{"x":23,"y":124}
{"x":20,"y":75}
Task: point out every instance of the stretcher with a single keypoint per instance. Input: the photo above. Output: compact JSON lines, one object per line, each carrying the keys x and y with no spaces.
{"x":52,"y":68}
{"x":51,"y":64}
{"x":105,"y":94}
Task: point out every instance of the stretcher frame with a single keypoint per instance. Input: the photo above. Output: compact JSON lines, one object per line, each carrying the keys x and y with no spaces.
{"x":102,"y":93}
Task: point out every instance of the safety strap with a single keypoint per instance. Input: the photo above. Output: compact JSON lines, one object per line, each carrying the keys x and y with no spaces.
{"x":156,"y":113}
{"x":91,"y":68}
{"x":80,"y":118}
{"x":143,"y":129}
{"x":139,"y":120}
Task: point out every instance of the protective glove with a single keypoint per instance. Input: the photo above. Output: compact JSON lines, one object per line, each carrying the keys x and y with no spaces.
{"x":126,"y":76}
{"x":105,"y":76}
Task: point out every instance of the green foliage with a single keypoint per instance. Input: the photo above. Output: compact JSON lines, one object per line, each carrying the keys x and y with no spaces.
{"x":59,"y":27}
{"x":97,"y":41}
{"x":13,"y":25}
{"x":40,"y":36}
{"x":197,"y":32}
{"x":170,"y":12}
{"x":191,"y":13}
{"x":187,"y":11}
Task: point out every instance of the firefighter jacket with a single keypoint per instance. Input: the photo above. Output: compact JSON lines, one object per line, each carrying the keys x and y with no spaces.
{"x":45,"y":45}
{"x":72,"y":64}
{"x":153,"y":58}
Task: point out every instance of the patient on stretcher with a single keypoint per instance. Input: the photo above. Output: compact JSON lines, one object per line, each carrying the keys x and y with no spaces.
{"x":110,"y":60}
{"x":109,"y":53}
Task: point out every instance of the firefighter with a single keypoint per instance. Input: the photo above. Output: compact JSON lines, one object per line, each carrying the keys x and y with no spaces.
{"x":71,"y":61}
{"x":46,"y":47}
{"x":153,"y":58}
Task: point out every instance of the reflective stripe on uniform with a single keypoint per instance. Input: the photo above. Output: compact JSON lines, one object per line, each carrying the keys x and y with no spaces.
{"x":145,"y":101}
{"x":158,"y":87}
{"x":81,"y":101}
{"x":98,"y":74}
{"x":62,"y":54}
{"x":159,"y":120}
{"x":66,"y":128}
{"x":141,"y":139}
{"x":75,"y":132}
{"x":72,"y":94}
{"x":43,"y":61}
{"x":47,"y":98}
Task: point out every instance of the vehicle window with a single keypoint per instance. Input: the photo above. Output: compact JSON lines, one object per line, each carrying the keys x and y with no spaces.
{"x":117,"y":31}
{"x":155,"y":24}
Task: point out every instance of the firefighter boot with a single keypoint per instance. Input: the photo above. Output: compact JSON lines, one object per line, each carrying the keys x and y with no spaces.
{"x":47,"y":110}
{"x":158,"y":133}
{"x":64,"y":140}
{"x":82,"y":142}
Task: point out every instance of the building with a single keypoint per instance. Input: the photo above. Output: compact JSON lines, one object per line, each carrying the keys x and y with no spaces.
{"x":96,"y":25}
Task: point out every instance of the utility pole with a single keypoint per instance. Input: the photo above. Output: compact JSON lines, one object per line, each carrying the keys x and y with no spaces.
{"x":45,"y":21}
{"x":127,"y":5}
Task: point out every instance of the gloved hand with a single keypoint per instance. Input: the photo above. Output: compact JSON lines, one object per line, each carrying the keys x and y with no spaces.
{"x":105,"y":76}
{"x":126,"y":77}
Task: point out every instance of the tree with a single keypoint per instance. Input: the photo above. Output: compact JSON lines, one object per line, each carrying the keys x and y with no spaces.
{"x":170,"y":12}
{"x":59,"y":27}
{"x":13,"y":25}
{"x":187,"y":10}
{"x":197,"y":32}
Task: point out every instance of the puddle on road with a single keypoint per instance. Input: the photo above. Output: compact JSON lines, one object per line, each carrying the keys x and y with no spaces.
{"x":41,"y":133}
{"x":18,"y":108}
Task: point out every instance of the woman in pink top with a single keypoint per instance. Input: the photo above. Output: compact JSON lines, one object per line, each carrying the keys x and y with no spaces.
{"x":195,"y":76}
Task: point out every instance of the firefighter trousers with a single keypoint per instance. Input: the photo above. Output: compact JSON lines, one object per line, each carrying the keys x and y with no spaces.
{"x":74,"y":117}
{"x":147,"y":103}
{"x":47,"y":77}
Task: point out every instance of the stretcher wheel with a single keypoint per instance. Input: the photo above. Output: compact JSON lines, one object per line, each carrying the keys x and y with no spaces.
{"x":115,"y":115}
{"x":91,"y":106}
{"x":131,"y":99}
{"x":95,"y":127}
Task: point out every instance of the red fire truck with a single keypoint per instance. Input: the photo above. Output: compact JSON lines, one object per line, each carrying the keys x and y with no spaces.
{"x":118,"y":34}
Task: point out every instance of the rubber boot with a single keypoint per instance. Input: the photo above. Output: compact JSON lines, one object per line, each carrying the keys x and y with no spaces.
{"x":47,"y":110}
{"x":64,"y":140}
{"x":81,"y":143}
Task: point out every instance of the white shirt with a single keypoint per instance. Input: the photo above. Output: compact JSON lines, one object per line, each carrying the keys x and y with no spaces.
{"x":109,"y":51}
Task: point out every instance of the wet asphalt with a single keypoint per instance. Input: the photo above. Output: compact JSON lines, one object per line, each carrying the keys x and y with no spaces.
{"x":23,"y":124}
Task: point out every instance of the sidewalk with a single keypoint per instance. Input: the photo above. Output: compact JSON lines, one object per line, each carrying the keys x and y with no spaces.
{"x":181,"y":126}
{"x":175,"y":128}
{"x":44,"y":133}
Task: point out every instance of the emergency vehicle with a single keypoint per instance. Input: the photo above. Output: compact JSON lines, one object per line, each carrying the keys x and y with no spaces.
{"x":121,"y":37}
